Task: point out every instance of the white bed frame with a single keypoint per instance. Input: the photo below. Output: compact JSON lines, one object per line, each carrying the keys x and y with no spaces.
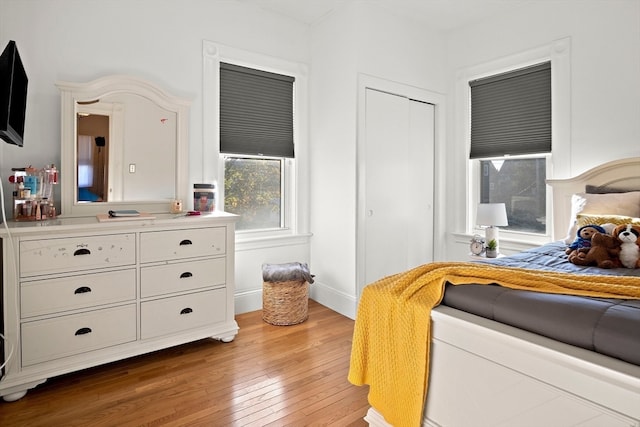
{"x":484,"y":373}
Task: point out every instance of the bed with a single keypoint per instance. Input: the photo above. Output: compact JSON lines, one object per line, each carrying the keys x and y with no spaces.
{"x":487,"y":367}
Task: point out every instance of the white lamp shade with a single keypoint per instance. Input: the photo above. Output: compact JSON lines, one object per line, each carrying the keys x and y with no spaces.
{"x":492,"y":214}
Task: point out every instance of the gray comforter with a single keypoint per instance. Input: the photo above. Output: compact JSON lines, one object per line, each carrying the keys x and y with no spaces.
{"x":607,"y":326}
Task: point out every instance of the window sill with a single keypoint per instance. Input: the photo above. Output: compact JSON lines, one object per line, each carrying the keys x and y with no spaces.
{"x":510,"y":242}
{"x":515,"y":236}
{"x":249,"y":240}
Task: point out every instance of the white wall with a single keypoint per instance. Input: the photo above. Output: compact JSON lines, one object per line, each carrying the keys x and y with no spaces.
{"x":332,"y":153}
{"x":360,"y":39}
{"x":605,"y":83}
{"x":159,"y":40}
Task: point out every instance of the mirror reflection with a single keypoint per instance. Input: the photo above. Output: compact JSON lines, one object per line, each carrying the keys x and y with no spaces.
{"x":93,"y":155}
{"x":110,"y":170}
{"x":124,"y":145}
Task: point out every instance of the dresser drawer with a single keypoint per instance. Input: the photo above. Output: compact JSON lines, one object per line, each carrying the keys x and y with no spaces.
{"x":59,"y":255}
{"x":182,"y":276}
{"x":181,"y":313}
{"x":180,"y":244}
{"x":63,"y":336}
{"x":68,"y":293}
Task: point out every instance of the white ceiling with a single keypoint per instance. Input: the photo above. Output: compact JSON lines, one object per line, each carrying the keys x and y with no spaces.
{"x":442,"y":14}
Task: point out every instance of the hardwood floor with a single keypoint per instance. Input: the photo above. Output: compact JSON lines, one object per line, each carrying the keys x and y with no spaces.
{"x":268,"y":376}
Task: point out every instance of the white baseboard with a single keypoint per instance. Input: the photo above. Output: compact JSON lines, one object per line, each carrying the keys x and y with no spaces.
{"x":333,"y":299}
{"x":319,"y":292}
{"x":248,"y":301}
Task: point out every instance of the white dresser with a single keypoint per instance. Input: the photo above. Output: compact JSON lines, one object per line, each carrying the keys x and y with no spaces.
{"x":78,"y":293}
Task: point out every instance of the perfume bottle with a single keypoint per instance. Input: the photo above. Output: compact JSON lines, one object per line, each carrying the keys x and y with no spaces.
{"x":52,"y":210}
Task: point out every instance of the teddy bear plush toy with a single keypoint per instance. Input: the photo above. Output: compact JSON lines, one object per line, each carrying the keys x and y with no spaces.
{"x":582,"y":242}
{"x":629,"y":237}
{"x":603,"y":253}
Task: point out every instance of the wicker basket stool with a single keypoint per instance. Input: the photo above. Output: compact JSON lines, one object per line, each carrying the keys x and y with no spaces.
{"x":285,"y":303}
{"x":285,"y":293}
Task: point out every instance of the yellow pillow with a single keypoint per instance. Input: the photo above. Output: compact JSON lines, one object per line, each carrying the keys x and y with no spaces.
{"x":587,"y":219}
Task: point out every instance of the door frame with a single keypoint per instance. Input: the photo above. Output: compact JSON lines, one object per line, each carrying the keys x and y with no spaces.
{"x":365,"y":82}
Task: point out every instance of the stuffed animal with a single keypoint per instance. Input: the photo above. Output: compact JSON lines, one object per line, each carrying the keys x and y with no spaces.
{"x":629,"y":236}
{"x":608,"y":227}
{"x":582,"y":242}
{"x":603,"y":253}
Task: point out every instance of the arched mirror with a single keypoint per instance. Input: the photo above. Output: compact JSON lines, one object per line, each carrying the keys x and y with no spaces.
{"x":124,"y":146}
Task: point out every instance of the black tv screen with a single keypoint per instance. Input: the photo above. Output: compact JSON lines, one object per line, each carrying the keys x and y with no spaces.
{"x":13,"y":95}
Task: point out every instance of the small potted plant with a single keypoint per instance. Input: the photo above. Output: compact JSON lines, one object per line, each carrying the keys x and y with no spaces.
{"x":492,"y":248}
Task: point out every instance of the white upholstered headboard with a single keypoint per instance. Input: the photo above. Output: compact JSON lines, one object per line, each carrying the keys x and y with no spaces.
{"x":619,"y":174}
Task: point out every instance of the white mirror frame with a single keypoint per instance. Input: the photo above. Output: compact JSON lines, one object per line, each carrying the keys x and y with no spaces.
{"x":70,"y":93}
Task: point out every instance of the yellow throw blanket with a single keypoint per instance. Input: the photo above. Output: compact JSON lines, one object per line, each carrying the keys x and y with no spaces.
{"x":392,"y":332}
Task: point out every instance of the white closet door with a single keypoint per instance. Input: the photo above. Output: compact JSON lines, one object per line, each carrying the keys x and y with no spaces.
{"x":398,"y":184}
{"x":421,"y":183}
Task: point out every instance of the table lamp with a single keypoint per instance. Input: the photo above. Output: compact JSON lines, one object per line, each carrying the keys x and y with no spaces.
{"x":491,"y":216}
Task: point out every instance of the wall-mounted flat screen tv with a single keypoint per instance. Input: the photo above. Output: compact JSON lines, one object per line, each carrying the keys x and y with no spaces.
{"x":13,"y":95}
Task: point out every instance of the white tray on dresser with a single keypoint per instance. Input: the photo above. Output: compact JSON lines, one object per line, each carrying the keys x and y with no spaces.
{"x":78,"y":293}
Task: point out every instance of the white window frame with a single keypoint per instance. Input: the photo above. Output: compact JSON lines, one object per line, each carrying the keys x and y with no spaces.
{"x":286,"y":187}
{"x":558,"y":163}
{"x":474,"y":200}
{"x":295,"y":185}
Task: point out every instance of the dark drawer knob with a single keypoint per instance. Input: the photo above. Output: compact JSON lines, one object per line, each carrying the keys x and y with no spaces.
{"x":185,"y":275}
{"x":186,"y":311}
{"x":82,"y":252}
{"x":82,"y":290}
{"x":83,"y":331}
{"x":186,"y":242}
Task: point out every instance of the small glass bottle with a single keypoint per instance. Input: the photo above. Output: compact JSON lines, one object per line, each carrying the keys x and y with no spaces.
{"x":52,"y":174}
{"x":52,"y":210}
{"x":176,"y":206}
{"x":44,"y":208}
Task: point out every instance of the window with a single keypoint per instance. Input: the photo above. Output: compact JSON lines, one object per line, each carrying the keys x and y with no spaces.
{"x":256,"y":140}
{"x":85,"y":161}
{"x":520,"y":184}
{"x":253,"y":190}
{"x":511,"y":143}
